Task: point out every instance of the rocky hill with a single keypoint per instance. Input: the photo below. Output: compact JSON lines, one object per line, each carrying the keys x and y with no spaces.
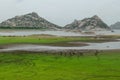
{"x":87,"y":24}
{"x":28,"y":21}
{"x":115,"y":26}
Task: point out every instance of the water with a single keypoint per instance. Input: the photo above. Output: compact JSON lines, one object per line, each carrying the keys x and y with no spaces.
{"x":32,"y":32}
{"x":91,"y":46}
{"x":116,"y":32}
{"x":57,"y":33}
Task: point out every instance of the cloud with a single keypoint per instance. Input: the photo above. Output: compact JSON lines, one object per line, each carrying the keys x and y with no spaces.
{"x":19,"y":0}
{"x":62,"y":12}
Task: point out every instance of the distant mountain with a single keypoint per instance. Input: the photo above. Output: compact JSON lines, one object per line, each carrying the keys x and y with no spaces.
{"x":115,"y":26}
{"x":87,"y":24}
{"x":28,"y":21}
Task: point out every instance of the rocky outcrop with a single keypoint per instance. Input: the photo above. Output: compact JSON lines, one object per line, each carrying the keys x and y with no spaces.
{"x":93,"y":23}
{"x":116,"y":25}
{"x":31,"y":20}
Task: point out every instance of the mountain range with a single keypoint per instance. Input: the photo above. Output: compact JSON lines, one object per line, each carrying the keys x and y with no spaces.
{"x":34,"y":21}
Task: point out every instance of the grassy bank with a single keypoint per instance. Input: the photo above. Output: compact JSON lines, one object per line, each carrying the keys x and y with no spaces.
{"x":48,"y":39}
{"x":48,"y":67}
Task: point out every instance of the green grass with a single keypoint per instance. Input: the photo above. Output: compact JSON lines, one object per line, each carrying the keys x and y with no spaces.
{"x":48,"y":67}
{"x":29,"y":39}
{"x":46,"y":40}
{"x":26,"y":66}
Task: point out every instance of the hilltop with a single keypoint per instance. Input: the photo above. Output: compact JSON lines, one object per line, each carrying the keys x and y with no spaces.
{"x":93,"y":23}
{"x":28,"y":21}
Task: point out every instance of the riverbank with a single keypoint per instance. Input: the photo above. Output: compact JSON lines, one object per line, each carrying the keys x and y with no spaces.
{"x":57,"y":44}
{"x":48,"y":39}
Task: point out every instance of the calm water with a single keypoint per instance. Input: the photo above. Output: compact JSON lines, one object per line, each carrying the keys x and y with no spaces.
{"x":57,"y":33}
{"x":92,"y":46}
{"x":32,"y":32}
{"x":116,"y":32}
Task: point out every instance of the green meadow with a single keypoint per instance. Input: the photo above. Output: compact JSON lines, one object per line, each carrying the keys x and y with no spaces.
{"x":36,"y":66}
{"x":48,"y":39}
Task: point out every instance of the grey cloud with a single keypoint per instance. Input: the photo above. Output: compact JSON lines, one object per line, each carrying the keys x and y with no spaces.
{"x":62,"y":12}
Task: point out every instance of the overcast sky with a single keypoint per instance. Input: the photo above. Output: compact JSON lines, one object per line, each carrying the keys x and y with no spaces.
{"x":62,"y":12}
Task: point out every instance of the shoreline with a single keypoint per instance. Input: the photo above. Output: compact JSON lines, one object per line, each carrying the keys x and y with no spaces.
{"x":7,"y":48}
{"x":66,"y":52}
{"x":66,"y":44}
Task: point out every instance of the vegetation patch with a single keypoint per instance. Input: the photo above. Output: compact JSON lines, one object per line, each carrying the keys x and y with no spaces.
{"x":49,"y":40}
{"x":32,"y":66}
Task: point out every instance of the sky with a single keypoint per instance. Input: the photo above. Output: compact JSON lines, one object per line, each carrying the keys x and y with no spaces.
{"x":62,"y":12}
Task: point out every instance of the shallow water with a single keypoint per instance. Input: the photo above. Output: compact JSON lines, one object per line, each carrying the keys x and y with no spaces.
{"x":92,"y":46}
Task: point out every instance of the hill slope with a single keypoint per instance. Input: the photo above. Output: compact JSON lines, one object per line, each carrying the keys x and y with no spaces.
{"x":31,"y":20}
{"x":115,"y":26}
{"x":93,"y":23}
